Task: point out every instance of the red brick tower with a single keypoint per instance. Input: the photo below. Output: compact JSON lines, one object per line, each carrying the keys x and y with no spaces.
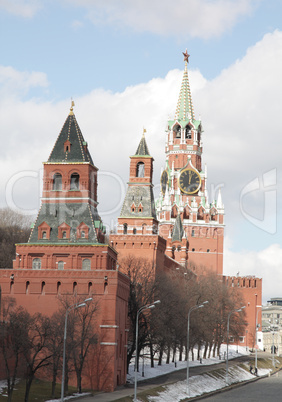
{"x":137,"y":230}
{"x":66,"y":255}
{"x":184,"y":194}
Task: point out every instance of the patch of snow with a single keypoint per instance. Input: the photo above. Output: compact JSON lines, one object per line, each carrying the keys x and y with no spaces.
{"x":67,"y":398}
{"x":168,"y":368}
{"x":201,"y":384}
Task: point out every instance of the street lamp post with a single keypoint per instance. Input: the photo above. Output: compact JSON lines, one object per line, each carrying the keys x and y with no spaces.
{"x":227,"y":341}
{"x":188,"y":330}
{"x":256,"y":358}
{"x":147,"y":307}
{"x":70,"y":308}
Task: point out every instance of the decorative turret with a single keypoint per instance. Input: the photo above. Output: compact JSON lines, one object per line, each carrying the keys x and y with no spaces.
{"x":139,"y":201}
{"x":178,"y":231}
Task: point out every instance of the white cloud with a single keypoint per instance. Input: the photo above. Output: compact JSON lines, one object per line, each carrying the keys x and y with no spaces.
{"x":185,"y":18}
{"x":240,"y":110}
{"x":23,"y":8}
{"x":18,"y":83}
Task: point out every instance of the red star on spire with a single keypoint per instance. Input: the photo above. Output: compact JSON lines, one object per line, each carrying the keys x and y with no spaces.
{"x":186,"y":56}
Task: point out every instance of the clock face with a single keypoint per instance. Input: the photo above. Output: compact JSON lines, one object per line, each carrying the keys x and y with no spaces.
{"x":189,"y":181}
{"x":164,"y":181}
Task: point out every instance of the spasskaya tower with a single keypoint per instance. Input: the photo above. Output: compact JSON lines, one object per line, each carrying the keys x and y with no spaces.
{"x":187,"y":219}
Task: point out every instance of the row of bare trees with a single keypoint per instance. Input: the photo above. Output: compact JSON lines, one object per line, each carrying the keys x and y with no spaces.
{"x":29,"y":343}
{"x":163,"y":330}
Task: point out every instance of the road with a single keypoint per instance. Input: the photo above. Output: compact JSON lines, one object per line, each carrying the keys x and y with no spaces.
{"x":266,"y":390}
{"x":174,"y":376}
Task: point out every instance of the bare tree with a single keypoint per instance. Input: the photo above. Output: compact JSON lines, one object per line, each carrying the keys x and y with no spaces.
{"x":36,"y":351}
{"x":14,"y":228}
{"x":55,"y":346}
{"x":12,"y":340}
{"x":82,"y":333}
{"x":142,"y":289}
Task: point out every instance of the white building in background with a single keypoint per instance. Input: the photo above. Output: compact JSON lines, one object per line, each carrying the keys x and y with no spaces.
{"x":272,"y":326}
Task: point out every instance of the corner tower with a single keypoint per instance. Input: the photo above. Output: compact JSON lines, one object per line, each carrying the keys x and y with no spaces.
{"x":68,"y":231}
{"x":184,"y":192}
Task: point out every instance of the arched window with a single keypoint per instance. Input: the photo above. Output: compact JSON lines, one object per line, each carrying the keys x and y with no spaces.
{"x":82,"y":234}
{"x":74,"y":183}
{"x":57,"y":182}
{"x":43,"y":288}
{"x":44,"y":235}
{"x":36,"y":263}
{"x":90,"y":288}
{"x":27,"y":287}
{"x":58,"y":287}
{"x":125,"y":228}
{"x":144,"y":228}
{"x":188,"y":134}
{"x":140,"y":169}
{"x":86,"y":264}
{"x":134,"y":230}
{"x":177,"y":131}
{"x":61,"y":265}
{"x":74,"y":288}
{"x":64,"y":234}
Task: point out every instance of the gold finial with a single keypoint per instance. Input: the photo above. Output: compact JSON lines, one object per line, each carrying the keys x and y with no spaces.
{"x":144,"y":131}
{"x":71,"y":109}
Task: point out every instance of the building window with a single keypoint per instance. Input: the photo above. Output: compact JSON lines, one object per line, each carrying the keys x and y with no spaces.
{"x":86,"y":264}
{"x":193,"y":233}
{"x":43,"y":288}
{"x":74,"y":288}
{"x":140,"y":169}
{"x":64,"y":234}
{"x":188,"y":134}
{"x":44,"y":235}
{"x":134,"y":230}
{"x":74,"y":183}
{"x":58,"y":287}
{"x":125,"y":228}
{"x":90,"y":288}
{"x":82,"y":234}
{"x":61,"y":265}
{"x":27,"y":287}
{"x":144,"y":228}
{"x":36,"y":263}
{"x":57,"y":182}
{"x":177,"y":131}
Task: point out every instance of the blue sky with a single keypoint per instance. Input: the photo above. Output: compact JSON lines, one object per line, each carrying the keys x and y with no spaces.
{"x":121,"y":61}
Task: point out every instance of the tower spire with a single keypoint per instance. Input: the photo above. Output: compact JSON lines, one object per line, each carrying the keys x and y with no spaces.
{"x":184,"y":109}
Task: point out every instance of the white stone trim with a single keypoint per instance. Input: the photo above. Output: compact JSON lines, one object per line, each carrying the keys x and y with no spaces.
{"x":108,"y":343}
